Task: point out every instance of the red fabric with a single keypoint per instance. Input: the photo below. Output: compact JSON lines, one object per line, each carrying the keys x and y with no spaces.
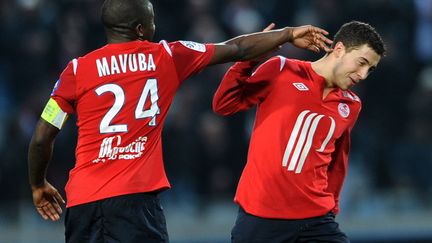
{"x":116,"y":163}
{"x":292,"y":121}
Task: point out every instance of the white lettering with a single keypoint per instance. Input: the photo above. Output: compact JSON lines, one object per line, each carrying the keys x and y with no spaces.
{"x":124,"y":63}
{"x":151,"y":64}
{"x":103,"y":69}
{"x":133,"y":63}
{"x":141,"y":62}
{"x":114,"y":66}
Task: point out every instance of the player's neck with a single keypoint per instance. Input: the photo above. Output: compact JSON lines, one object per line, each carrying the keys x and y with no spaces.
{"x":323,"y":67}
{"x":115,"y":38}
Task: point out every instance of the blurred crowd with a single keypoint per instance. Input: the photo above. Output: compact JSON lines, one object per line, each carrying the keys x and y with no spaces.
{"x":391,"y":158}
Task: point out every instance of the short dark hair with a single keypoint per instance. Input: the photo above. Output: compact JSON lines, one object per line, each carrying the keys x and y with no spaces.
{"x":355,"y":34}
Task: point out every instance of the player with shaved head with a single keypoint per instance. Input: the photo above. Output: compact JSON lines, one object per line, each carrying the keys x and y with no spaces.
{"x":121,"y":94}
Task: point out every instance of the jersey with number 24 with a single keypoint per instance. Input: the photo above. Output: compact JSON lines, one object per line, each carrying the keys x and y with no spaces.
{"x":121,"y":94}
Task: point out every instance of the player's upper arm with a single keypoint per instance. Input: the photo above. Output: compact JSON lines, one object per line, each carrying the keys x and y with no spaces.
{"x":224,"y":53}
{"x":44,"y":133}
{"x":189,"y":57}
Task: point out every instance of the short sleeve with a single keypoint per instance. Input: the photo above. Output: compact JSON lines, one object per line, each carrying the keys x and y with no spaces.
{"x":190,"y":57}
{"x":64,"y":90}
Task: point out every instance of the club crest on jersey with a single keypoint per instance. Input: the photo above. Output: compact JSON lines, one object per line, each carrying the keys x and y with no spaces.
{"x":344,"y":110}
{"x":194,"y":46}
{"x":301,"y":86}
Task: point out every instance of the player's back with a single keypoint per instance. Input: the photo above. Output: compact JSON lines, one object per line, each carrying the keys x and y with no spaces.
{"x":118,"y":90}
{"x":122,"y":93}
{"x":120,"y":116}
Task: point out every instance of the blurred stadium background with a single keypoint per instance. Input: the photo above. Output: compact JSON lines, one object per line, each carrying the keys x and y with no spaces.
{"x":388,"y":192}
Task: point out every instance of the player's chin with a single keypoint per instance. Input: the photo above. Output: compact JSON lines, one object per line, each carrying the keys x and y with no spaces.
{"x":348,"y":85}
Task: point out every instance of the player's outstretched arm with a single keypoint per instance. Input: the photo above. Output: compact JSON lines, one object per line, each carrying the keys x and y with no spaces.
{"x":46,"y":198}
{"x":247,"y":47}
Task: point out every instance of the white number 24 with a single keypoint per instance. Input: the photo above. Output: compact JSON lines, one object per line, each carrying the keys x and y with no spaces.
{"x":150,"y":88}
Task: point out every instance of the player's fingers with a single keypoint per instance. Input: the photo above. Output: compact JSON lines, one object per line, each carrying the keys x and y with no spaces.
{"x":269,"y":27}
{"x":52,"y":213}
{"x":47,"y":212}
{"x":313,"y":48}
{"x":326,"y":48}
{"x":42,"y":213}
{"x":324,"y":39}
{"x":320,"y":41}
{"x":322,"y":45}
{"x":318,"y":30}
{"x":58,"y":197}
{"x":57,"y":208}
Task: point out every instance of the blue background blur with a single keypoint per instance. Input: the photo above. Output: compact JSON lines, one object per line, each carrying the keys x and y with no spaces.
{"x":388,"y":193}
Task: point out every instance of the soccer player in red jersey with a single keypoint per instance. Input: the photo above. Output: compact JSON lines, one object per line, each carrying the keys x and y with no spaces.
{"x":298,"y":153}
{"x":121,"y":94}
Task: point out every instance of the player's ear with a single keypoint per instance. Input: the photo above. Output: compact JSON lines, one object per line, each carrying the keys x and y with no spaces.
{"x":139,"y":30}
{"x":339,"y":49}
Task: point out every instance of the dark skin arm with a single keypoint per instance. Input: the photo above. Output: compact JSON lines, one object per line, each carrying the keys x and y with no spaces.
{"x":247,"y":47}
{"x":46,"y":198}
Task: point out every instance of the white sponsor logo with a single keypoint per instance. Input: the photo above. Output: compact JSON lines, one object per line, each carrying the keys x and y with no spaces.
{"x":301,"y":86}
{"x":110,"y":149}
{"x":194,"y":46}
{"x":344,"y":110}
{"x":300,"y":141}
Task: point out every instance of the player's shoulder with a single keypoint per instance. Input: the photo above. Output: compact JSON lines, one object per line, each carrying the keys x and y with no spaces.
{"x":92,"y":55}
{"x":292,"y":65}
{"x":275,"y":62}
{"x":280,"y":65}
{"x":183,"y":46}
{"x":95,"y":52}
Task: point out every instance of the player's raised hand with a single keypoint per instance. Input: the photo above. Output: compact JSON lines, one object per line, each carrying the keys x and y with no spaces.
{"x":311,"y":38}
{"x":47,"y":201}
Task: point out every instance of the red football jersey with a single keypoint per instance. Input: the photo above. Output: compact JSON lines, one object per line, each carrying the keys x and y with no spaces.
{"x":298,"y":150}
{"x":121,"y":94}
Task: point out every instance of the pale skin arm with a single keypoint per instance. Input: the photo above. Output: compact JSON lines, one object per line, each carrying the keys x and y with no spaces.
{"x":46,"y":198}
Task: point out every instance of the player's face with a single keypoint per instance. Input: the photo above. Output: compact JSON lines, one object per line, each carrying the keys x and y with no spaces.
{"x":354,"y":66}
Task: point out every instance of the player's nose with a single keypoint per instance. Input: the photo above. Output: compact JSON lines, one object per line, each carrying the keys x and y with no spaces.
{"x":362,"y":73}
